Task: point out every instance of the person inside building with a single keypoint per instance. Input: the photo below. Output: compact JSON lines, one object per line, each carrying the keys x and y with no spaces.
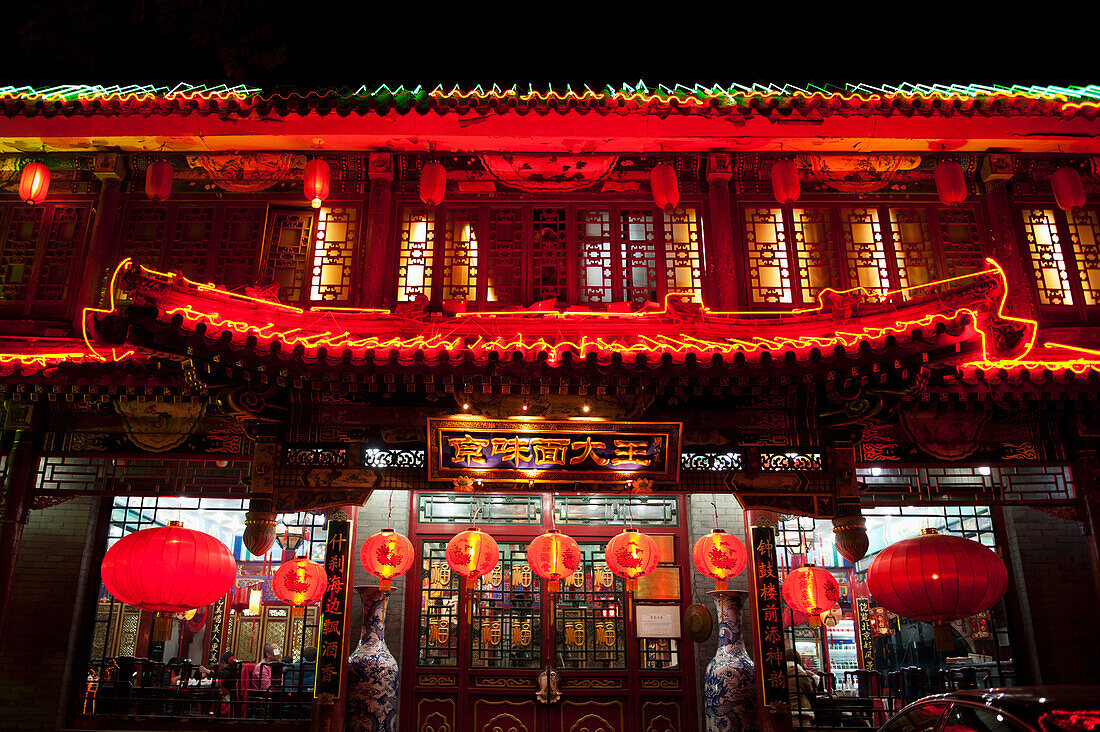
{"x":800,"y":688}
{"x":228,"y":679}
{"x":298,"y":676}
{"x":262,"y":673}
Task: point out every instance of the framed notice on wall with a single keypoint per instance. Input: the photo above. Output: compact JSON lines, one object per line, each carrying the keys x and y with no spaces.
{"x":657,"y":621}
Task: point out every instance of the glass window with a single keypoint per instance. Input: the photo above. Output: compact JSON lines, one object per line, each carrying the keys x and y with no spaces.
{"x":416,"y":254}
{"x":1047,"y":260}
{"x":1084,"y":235}
{"x":437,"y":643}
{"x":506,"y":620}
{"x":920,"y":718}
{"x":590,"y":625}
{"x":965,"y":718}
{"x":602,"y":510}
{"x":449,"y":508}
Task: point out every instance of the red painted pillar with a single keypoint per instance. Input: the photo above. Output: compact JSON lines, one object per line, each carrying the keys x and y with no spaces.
{"x":375,"y":254}
{"x":721,"y":273}
{"x":17,"y":496}
{"x":99,"y":256}
{"x":1006,"y":250}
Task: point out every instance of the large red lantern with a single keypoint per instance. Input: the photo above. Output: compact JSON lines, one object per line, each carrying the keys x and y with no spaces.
{"x":785,"y":184}
{"x":666,"y":189}
{"x":34,"y":183}
{"x":433,"y":183}
{"x":315,"y":181}
{"x":1069,"y":192}
{"x":158,"y":181}
{"x":950,"y":183}
{"x":630,"y":555}
{"x":554,"y":556}
{"x":386,"y":555}
{"x":168,"y":569}
{"x":300,"y":582}
{"x":720,"y":556}
{"x":472,"y":554}
{"x":811,"y":591}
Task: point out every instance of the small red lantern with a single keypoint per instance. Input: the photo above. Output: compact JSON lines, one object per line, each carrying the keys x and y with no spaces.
{"x":785,"y":184}
{"x":472,"y":554}
{"x":950,"y":183}
{"x":386,"y":555}
{"x":158,"y":181}
{"x":1069,"y":191}
{"x":315,"y":181}
{"x":937,"y":578}
{"x":720,"y":556}
{"x":300,"y":582}
{"x":811,"y":591}
{"x":554,"y":556}
{"x":630,"y":555}
{"x":34,"y":183}
{"x":666,"y":189}
{"x":433,"y":183}
{"x":168,"y":569}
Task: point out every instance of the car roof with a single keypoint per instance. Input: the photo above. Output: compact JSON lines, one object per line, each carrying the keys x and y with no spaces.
{"x":1028,"y":701}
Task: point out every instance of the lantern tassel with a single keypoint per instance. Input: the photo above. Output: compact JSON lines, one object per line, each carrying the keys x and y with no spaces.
{"x":945,"y":639}
{"x":720,"y":585}
{"x":384,"y":585}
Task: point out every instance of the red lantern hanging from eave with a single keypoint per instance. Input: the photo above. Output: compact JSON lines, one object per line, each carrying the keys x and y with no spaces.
{"x":34,"y":183}
{"x":937,"y":578}
{"x":433,"y":183}
{"x":720,"y":556}
{"x":811,"y":591}
{"x":168,"y":569}
{"x":158,"y":181}
{"x":666,"y":189}
{"x":472,"y":554}
{"x":950,"y":183}
{"x":386,"y":555}
{"x":554,"y":556}
{"x":630,"y":555}
{"x":785,"y":184}
{"x":1069,"y":191}
{"x":299,"y":582}
{"x":315,"y":181}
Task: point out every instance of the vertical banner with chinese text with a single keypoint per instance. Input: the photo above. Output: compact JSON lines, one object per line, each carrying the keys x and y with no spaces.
{"x":771,"y":667}
{"x":863,"y":634}
{"x":217,"y":621}
{"x":330,"y":648}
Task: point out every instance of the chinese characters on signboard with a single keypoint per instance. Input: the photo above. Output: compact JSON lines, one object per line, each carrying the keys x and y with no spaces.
{"x":772,"y":667}
{"x":330,"y":646}
{"x":217,"y":618}
{"x":864,"y":634}
{"x":555,"y":451}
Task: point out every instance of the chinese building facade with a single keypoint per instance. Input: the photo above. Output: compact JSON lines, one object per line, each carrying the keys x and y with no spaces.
{"x":504,"y":310}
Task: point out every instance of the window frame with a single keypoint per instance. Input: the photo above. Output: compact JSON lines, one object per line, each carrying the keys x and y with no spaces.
{"x":1078,"y":311}
{"x":933,"y":219}
{"x":620,"y":273}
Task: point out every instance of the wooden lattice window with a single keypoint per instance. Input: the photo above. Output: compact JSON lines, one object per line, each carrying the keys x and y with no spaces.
{"x":960,"y":241}
{"x":683,"y":251}
{"x":504,"y":255}
{"x":286,"y":250}
{"x":460,"y":255}
{"x":188,"y":251}
{"x":416,"y":254}
{"x":913,"y":250}
{"x":815,"y":253}
{"x":1048,"y":262}
{"x":143,"y":235}
{"x":768,"y":263}
{"x":1084,"y":234}
{"x":241,"y":237}
{"x":638,"y":256}
{"x":39,"y":249}
{"x":865,"y":246}
{"x":334,"y":255}
{"x":594,"y":256}
{"x":549,"y":254}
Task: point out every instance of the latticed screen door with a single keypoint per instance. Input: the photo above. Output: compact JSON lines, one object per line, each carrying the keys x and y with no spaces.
{"x":590,"y":627}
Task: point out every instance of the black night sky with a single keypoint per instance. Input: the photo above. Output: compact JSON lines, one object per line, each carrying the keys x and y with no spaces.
{"x":272,"y":43}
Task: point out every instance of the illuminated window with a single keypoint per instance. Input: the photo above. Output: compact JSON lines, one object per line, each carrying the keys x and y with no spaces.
{"x":1047,"y":259}
{"x":866,"y":250}
{"x":909,"y":234}
{"x":414,"y":274}
{"x":460,"y":255}
{"x":286,"y":250}
{"x":815,"y":252}
{"x":504,"y":256}
{"x":333,"y":255}
{"x":1084,"y":234}
{"x":769,"y":266}
{"x":638,"y":257}
{"x":594,"y":260}
{"x":683,"y":251}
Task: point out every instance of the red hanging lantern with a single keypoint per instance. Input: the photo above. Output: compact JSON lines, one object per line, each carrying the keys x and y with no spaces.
{"x":937,"y":578}
{"x":811,"y":591}
{"x":1069,"y":191}
{"x":168,"y":569}
{"x":720,"y":556}
{"x":554,"y":556}
{"x":472,"y":554}
{"x":785,"y":184}
{"x":666,"y":189}
{"x":34,"y":183}
{"x":386,"y":555}
{"x":158,"y":181}
{"x":630,"y":555}
{"x":433,"y":183}
{"x":300,"y":582}
{"x":315,"y":181}
{"x":950,"y":183}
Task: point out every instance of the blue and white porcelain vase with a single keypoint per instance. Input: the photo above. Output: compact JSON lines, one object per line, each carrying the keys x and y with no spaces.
{"x":372,"y":671}
{"x":728,"y":691}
